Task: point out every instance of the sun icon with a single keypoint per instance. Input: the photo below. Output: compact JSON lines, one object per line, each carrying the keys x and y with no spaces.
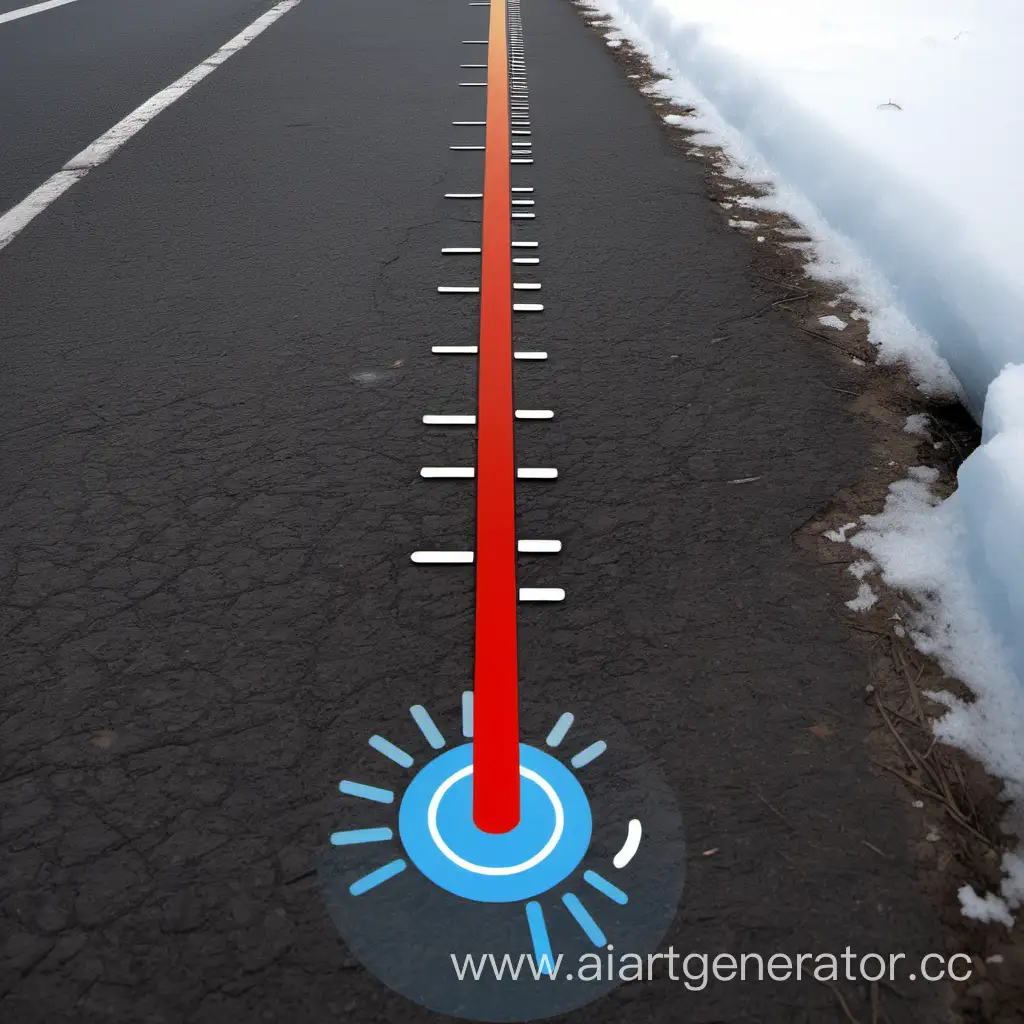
{"x":532,"y":877}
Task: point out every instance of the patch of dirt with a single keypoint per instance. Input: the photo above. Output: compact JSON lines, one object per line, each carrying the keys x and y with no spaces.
{"x":957,"y":804}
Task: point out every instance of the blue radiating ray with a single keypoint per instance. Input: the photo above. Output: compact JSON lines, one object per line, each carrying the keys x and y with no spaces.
{"x":613,"y":892}
{"x":562,"y":726}
{"x":380,"y":796}
{"x":361,"y":835}
{"x":589,"y":754}
{"x":422,"y":718}
{"x":375,"y":878}
{"x":542,"y":955}
{"x":389,"y":750}
{"x":583,"y":919}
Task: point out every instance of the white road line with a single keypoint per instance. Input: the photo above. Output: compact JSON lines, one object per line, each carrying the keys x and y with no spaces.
{"x":540,"y":547}
{"x":465,"y":195}
{"x":525,"y":259}
{"x":523,"y":188}
{"x":525,"y":286}
{"x":527,"y":307}
{"x":459,"y":290}
{"x":525,"y":245}
{"x":455,"y":350}
{"x":17,"y":218}
{"x":534,"y":414}
{"x":530,"y":355}
{"x":459,"y":249}
{"x":538,"y":473}
{"x":24,"y":12}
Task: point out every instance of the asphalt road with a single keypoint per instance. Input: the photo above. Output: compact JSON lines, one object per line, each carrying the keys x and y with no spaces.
{"x":214,"y":356}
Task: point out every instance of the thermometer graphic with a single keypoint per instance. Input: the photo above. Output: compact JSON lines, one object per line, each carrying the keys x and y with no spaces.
{"x":506,"y":848}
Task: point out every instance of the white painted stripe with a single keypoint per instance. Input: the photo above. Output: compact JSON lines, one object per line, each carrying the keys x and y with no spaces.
{"x":482,"y":84}
{"x":474,"y":67}
{"x":24,"y":12}
{"x":530,"y":355}
{"x":457,"y":249}
{"x":448,"y":472}
{"x":525,"y":286}
{"x":525,"y":245}
{"x":474,"y":42}
{"x":541,"y":473}
{"x":523,"y":202}
{"x":469,"y":122}
{"x":521,"y":161}
{"x":460,"y":290}
{"x":527,"y":307}
{"x":442,"y":557}
{"x":517,"y":215}
{"x":522,"y":188}
{"x":455,"y":350}
{"x":540,"y":547}
{"x":516,"y":132}
{"x":534,"y":414}
{"x":463,"y":195}
{"x":525,"y":259}
{"x":465,"y":147}
{"x":449,"y":421}
{"x":541,"y":594}
{"x":18,"y":217}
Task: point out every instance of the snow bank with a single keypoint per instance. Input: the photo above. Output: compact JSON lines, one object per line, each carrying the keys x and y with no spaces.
{"x":963,"y":560}
{"x":893,"y":131}
{"x":896,"y":126}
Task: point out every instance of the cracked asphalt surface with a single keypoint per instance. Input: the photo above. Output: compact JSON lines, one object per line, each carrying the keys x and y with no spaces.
{"x":214,"y":356}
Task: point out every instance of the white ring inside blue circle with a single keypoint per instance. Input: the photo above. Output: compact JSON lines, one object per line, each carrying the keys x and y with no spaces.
{"x":436,"y":827}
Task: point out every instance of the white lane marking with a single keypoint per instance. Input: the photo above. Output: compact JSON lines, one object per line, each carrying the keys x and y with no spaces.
{"x":448,"y":472}
{"x":460,"y":290}
{"x":534,"y":414}
{"x":530,"y":355}
{"x":18,"y":217}
{"x":525,"y":245}
{"x":527,"y":307}
{"x":523,"y":188}
{"x":517,"y":215}
{"x":520,"y":161}
{"x":630,"y":846}
{"x":442,"y":557}
{"x":465,"y":147}
{"x":24,"y":12}
{"x":538,"y":473}
{"x":540,"y":547}
{"x":541,"y":594}
{"x":474,"y":42}
{"x":525,"y":259}
{"x":455,"y":350}
{"x":464,"y":195}
{"x":471,"y":84}
{"x":525,"y":286}
{"x":449,"y":421}
{"x":475,"y":67}
{"x":458,"y":249}
{"x":469,"y":122}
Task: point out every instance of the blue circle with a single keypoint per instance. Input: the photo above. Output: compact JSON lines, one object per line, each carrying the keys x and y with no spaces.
{"x":468,"y":866}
